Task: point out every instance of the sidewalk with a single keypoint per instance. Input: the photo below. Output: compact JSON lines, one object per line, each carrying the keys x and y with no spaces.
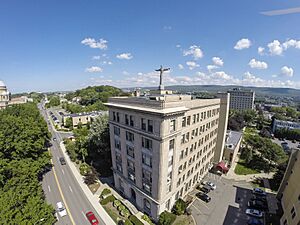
{"x":94,"y":200}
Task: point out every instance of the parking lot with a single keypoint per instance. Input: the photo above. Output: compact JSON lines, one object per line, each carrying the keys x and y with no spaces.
{"x":228,"y":203}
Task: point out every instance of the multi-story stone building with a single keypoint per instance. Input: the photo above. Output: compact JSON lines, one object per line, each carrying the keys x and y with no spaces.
{"x":289,"y":191}
{"x":284,"y":124}
{"x":163,"y":144}
{"x":4,"y":95}
{"x":241,"y":99}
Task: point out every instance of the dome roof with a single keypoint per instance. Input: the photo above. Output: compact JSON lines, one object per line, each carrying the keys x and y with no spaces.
{"x":2,"y":83}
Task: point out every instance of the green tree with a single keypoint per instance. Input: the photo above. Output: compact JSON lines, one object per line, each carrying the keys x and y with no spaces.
{"x":69,"y":123}
{"x":166,"y":218}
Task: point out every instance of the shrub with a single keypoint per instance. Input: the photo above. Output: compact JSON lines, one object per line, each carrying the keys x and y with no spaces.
{"x":84,"y":169}
{"x":125,"y":213}
{"x":121,"y":207}
{"x":117,"y":203}
{"x":135,"y":220}
{"x":179,"y":207}
{"x":166,"y":218}
{"x":108,"y":199}
{"x":147,"y":219}
{"x":128,"y":222}
{"x":105,"y":192}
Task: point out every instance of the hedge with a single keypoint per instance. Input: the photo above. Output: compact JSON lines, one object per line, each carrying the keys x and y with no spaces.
{"x":128,"y":222}
{"x":108,"y":199}
{"x":166,"y":218}
{"x":135,"y":220}
{"x":105,"y":191}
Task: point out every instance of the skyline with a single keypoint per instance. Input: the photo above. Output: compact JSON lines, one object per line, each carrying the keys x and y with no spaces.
{"x":54,"y":46}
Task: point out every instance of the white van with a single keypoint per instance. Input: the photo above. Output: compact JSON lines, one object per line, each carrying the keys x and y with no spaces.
{"x":60,"y":208}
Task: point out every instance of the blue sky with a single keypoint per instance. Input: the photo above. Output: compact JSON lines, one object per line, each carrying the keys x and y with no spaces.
{"x":67,"y":45}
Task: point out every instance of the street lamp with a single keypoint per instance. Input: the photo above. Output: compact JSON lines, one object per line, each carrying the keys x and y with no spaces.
{"x":41,"y":220}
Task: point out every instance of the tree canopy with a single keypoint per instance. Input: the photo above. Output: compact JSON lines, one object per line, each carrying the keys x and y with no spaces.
{"x":23,"y":160}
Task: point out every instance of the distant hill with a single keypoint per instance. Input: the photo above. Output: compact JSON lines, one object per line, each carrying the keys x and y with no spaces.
{"x":261,"y":91}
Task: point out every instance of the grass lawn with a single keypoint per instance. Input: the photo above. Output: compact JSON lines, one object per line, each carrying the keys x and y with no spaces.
{"x":184,"y":220}
{"x":242,"y":169}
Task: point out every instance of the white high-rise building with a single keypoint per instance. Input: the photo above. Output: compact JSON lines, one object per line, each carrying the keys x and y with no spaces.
{"x":4,"y":95}
{"x":241,"y":99}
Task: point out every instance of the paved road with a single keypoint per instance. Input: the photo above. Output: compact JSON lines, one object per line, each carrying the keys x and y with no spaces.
{"x":68,"y":190}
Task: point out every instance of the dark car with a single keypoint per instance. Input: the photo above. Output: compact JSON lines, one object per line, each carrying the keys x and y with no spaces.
{"x":205,"y":189}
{"x":257,"y":205}
{"x":259,"y":191}
{"x":203,"y":197}
{"x":261,"y":198}
{"x":254,"y":221}
{"x":62,"y":161}
{"x":92,"y":218}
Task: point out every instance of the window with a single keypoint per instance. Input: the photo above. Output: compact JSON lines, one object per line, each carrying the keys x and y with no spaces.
{"x":117,"y":144}
{"x":183,"y":122}
{"x":168,"y":204}
{"x":118,"y":117}
{"x":146,"y":143}
{"x":117,"y":131}
{"x":188,"y":120}
{"x":182,"y":139}
{"x":181,"y":154}
{"x":147,"y":187}
{"x":194,"y":118}
{"x":147,"y":205}
{"x":129,"y":136}
{"x":119,"y":167}
{"x":131,"y":118}
{"x":150,"y":126}
{"x":126,"y":119}
{"x":118,"y":158}
{"x":114,"y":116}
{"x":147,"y":160}
{"x":130,"y":151}
{"x":147,"y":176}
{"x":293,"y":212}
{"x":172,"y":125}
{"x":171,"y":144}
{"x":143,"y":123}
{"x":131,"y":170}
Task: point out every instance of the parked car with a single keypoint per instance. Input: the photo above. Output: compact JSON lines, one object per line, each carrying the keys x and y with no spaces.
{"x":62,"y":161}
{"x":254,"y":212}
{"x":261,"y":198}
{"x":255,"y":204}
{"x":212,"y":185}
{"x":92,"y":218}
{"x":54,"y":139}
{"x":203,"y":197}
{"x":298,"y":146}
{"x":259,"y":191}
{"x":206,"y":189}
{"x":60,"y":208}
{"x":254,"y":221}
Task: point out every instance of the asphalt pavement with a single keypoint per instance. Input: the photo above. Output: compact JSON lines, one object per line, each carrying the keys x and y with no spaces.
{"x":60,"y":185}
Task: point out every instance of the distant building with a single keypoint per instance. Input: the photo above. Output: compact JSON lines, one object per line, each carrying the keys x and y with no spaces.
{"x":289,"y":191}
{"x":283,"y":124}
{"x":4,"y":95}
{"x":241,"y":99}
{"x":232,"y":146}
{"x":20,"y":100}
{"x":82,"y":118}
{"x":162,"y":145}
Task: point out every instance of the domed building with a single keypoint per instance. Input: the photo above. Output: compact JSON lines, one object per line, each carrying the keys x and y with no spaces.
{"x":4,"y":95}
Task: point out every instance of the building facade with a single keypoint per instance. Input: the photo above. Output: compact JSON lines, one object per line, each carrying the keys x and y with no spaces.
{"x":4,"y":95}
{"x":162,"y":145}
{"x":283,"y":124}
{"x":232,"y":146}
{"x":241,"y":99}
{"x":82,"y":118}
{"x":289,"y":191}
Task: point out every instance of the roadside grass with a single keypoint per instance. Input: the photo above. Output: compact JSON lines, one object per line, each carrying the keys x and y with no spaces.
{"x":242,"y":169}
{"x":184,"y":220}
{"x":111,"y":212}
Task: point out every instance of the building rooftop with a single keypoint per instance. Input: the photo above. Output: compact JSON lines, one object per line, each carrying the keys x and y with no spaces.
{"x":94,"y":113}
{"x":233,"y":138}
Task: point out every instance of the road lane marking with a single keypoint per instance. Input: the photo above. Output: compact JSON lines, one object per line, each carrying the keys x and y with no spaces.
{"x":70,"y":189}
{"x":197,"y":209}
{"x":57,"y":158}
{"x":83,"y":215}
{"x":62,"y":171}
{"x":62,"y":196}
{"x":49,"y":188}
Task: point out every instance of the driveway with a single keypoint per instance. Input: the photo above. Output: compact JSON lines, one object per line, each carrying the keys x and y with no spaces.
{"x":228,"y":203}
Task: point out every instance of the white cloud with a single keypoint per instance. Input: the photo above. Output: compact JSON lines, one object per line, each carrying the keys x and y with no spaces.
{"x":167,"y":28}
{"x":92,"y":43}
{"x":260,"y":50}
{"x":291,"y":43}
{"x":94,"y":69}
{"x":180,"y":66}
{"x":125,"y":73}
{"x":178,"y":46}
{"x":194,"y":51}
{"x":242,"y":44}
{"x":258,"y":64}
{"x":287,"y":71}
{"x":96,"y":57}
{"x":221,"y":75}
{"x":125,"y":56}
{"x":218,"y":61}
{"x":281,"y":11}
{"x":275,"y":48}
{"x":211,"y":67}
{"x":192,"y":65}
